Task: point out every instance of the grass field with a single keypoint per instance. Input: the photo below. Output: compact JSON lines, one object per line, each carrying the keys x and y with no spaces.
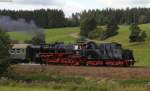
{"x":141,"y":50}
{"x":49,"y":82}
{"x":20,"y":36}
{"x":11,"y":88}
{"x":61,"y":34}
{"x":100,"y":88}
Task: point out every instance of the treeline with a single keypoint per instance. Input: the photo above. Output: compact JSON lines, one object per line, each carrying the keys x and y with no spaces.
{"x":50,"y":18}
{"x":121,"y":16}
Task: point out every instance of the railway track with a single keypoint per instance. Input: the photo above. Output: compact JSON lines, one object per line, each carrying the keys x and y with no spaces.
{"x":137,"y":72}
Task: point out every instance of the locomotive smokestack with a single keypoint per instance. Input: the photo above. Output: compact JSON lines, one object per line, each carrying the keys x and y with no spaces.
{"x":8,"y":24}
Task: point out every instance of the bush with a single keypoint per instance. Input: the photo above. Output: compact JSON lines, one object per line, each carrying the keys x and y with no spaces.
{"x":137,"y":35}
{"x":14,"y":41}
{"x":143,"y":36}
{"x":28,"y":41}
{"x":36,"y":40}
{"x":81,"y":39}
{"x":97,"y":33}
{"x":4,"y":52}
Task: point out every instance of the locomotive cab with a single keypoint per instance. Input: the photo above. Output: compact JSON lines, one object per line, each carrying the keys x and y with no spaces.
{"x":128,"y":55}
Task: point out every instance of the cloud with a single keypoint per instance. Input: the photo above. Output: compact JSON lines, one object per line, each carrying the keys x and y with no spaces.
{"x":32,"y":4}
{"x":16,"y":6}
{"x":40,"y":2}
{"x":68,"y":6}
{"x":124,"y":3}
{"x":142,"y":2}
{"x":71,"y":7}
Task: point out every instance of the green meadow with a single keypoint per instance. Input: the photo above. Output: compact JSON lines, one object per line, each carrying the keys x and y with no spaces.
{"x":20,"y":36}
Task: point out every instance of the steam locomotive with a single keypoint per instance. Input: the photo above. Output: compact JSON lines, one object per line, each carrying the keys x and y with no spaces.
{"x":80,"y":53}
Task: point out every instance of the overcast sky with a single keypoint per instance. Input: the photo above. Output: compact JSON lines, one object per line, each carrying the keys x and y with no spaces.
{"x":70,"y":6}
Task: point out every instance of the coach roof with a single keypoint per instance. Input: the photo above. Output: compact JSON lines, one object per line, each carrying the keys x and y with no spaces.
{"x":20,"y":46}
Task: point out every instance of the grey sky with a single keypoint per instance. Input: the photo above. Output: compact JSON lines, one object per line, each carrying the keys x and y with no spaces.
{"x":70,"y":6}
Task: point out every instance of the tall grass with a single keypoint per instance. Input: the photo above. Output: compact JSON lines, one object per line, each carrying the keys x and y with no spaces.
{"x":49,"y":82}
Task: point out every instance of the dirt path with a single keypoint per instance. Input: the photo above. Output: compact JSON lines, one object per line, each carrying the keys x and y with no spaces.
{"x":76,"y":35}
{"x":89,"y":72}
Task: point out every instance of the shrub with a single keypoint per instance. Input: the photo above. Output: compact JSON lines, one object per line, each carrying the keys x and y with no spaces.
{"x":37,"y":40}
{"x":4,"y":52}
{"x":137,"y":35}
{"x":97,"y":33}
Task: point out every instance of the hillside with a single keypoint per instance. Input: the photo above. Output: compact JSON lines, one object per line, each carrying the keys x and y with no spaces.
{"x":61,"y":34}
{"x":141,"y":50}
{"x":20,"y":36}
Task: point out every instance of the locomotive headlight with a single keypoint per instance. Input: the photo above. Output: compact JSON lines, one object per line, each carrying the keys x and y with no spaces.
{"x":76,"y":47}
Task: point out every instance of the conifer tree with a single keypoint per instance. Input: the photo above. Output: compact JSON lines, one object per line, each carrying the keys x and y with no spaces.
{"x":4,"y":52}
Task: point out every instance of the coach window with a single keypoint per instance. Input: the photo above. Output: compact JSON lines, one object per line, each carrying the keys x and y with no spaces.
{"x":12,"y":51}
{"x":23,"y":51}
{"x":18,"y":50}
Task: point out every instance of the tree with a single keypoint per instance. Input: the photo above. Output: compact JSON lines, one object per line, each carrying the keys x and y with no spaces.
{"x":36,"y":40}
{"x":52,"y":18}
{"x":137,"y":35}
{"x":111,"y":30}
{"x":75,"y":19}
{"x":143,"y":36}
{"x":4,"y":52}
{"x":87,"y":25}
{"x":43,"y":18}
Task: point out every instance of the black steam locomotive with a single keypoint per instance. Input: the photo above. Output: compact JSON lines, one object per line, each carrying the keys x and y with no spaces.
{"x":80,"y":53}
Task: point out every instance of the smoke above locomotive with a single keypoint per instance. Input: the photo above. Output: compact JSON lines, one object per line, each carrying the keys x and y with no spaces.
{"x":8,"y":24}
